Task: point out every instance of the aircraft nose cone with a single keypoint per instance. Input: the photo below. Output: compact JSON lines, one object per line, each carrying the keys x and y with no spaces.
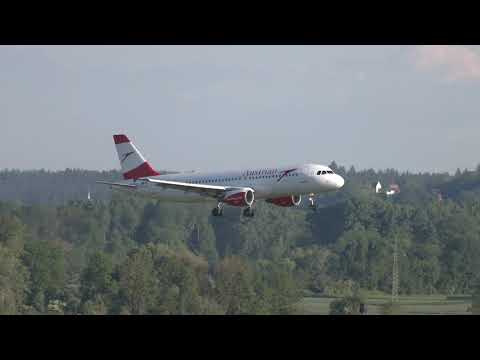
{"x":339,"y":181}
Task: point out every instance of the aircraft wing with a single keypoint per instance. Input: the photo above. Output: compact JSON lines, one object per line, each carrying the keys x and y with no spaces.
{"x":209,"y":190}
{"x":214,"y":191}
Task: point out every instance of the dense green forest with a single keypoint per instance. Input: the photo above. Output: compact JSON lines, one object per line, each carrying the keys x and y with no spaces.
{"x":118,"y":254}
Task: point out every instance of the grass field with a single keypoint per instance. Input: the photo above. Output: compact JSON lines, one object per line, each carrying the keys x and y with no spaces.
{"x":408,"y":305}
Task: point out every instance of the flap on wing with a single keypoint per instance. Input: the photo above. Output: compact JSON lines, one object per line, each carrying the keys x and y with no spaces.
{"x":211,"y":190}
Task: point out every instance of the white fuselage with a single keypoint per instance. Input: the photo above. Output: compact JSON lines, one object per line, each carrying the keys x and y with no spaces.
{"x":267,"y":183}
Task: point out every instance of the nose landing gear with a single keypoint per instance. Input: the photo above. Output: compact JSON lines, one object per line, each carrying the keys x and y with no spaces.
{"x":312,"y":202}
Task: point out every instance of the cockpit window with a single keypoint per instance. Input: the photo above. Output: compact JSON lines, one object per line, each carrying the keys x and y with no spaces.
{"x":324,"y":172}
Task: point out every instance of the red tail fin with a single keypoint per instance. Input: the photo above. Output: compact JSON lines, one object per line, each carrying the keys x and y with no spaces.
{"x":143,"y":170}
{"x":134,"y":165}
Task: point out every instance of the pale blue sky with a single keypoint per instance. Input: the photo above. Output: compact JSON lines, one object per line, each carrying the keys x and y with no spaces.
{"x":226,"y":107}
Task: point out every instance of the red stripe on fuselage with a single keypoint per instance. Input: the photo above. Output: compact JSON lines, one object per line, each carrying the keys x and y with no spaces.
{"x":143,"y":170}
{"x":120,"y":139}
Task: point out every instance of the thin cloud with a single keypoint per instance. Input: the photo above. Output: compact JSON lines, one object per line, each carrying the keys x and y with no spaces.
{"x":458,"y":62}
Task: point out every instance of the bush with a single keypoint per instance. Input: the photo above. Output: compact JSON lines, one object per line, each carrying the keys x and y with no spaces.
{"x":349,"y":305}
{"x":475,"y":308}
{"x":390,"y":308}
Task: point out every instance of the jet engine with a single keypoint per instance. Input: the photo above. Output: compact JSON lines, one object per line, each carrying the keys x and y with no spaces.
{"x":286,"y":201}
{"x":243,"y":197}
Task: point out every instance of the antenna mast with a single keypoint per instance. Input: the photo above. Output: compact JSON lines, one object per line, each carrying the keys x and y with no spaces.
{"x":395,"y":276}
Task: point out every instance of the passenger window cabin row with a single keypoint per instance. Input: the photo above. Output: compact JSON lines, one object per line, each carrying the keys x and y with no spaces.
{"x":202,"y":181}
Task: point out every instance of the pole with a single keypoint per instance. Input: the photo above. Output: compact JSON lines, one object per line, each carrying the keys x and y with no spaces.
{"x":395,"y":272}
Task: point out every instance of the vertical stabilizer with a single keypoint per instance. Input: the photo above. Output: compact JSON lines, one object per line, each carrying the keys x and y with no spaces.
{"x":134,"y":165}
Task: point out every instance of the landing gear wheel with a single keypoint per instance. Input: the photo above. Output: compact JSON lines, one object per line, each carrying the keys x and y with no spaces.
{"x":218,"y":211}
{"x":312,"y":203}
{"x":248,"y":212}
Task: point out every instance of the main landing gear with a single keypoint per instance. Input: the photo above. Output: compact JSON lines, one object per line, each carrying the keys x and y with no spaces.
{"x":248,"y":212}
{"x":218,"y":211}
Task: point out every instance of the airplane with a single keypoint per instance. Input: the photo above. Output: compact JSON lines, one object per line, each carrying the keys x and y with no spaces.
{"x":280,"y":186}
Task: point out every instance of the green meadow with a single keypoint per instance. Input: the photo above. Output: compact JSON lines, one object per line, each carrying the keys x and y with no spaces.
{"x":406,"y":305}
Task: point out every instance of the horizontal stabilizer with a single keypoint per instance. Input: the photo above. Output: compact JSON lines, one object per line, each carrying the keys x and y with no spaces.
{"x":117,"y":184}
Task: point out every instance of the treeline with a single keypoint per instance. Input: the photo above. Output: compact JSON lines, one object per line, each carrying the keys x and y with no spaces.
{"x":438,"y":244}
{"x":53,"y":187}
{"x":33,"y":187}
{"x":125,"y":255}
{"x":130,"y":256}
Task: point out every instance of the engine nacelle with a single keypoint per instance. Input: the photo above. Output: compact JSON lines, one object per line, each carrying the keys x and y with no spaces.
{"x":286,"y":201}
{"x":242,"y":197}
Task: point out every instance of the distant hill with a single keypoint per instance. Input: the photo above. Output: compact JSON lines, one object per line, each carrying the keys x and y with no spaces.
{"x":54,"y":187}
{"x":466,"y":184}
